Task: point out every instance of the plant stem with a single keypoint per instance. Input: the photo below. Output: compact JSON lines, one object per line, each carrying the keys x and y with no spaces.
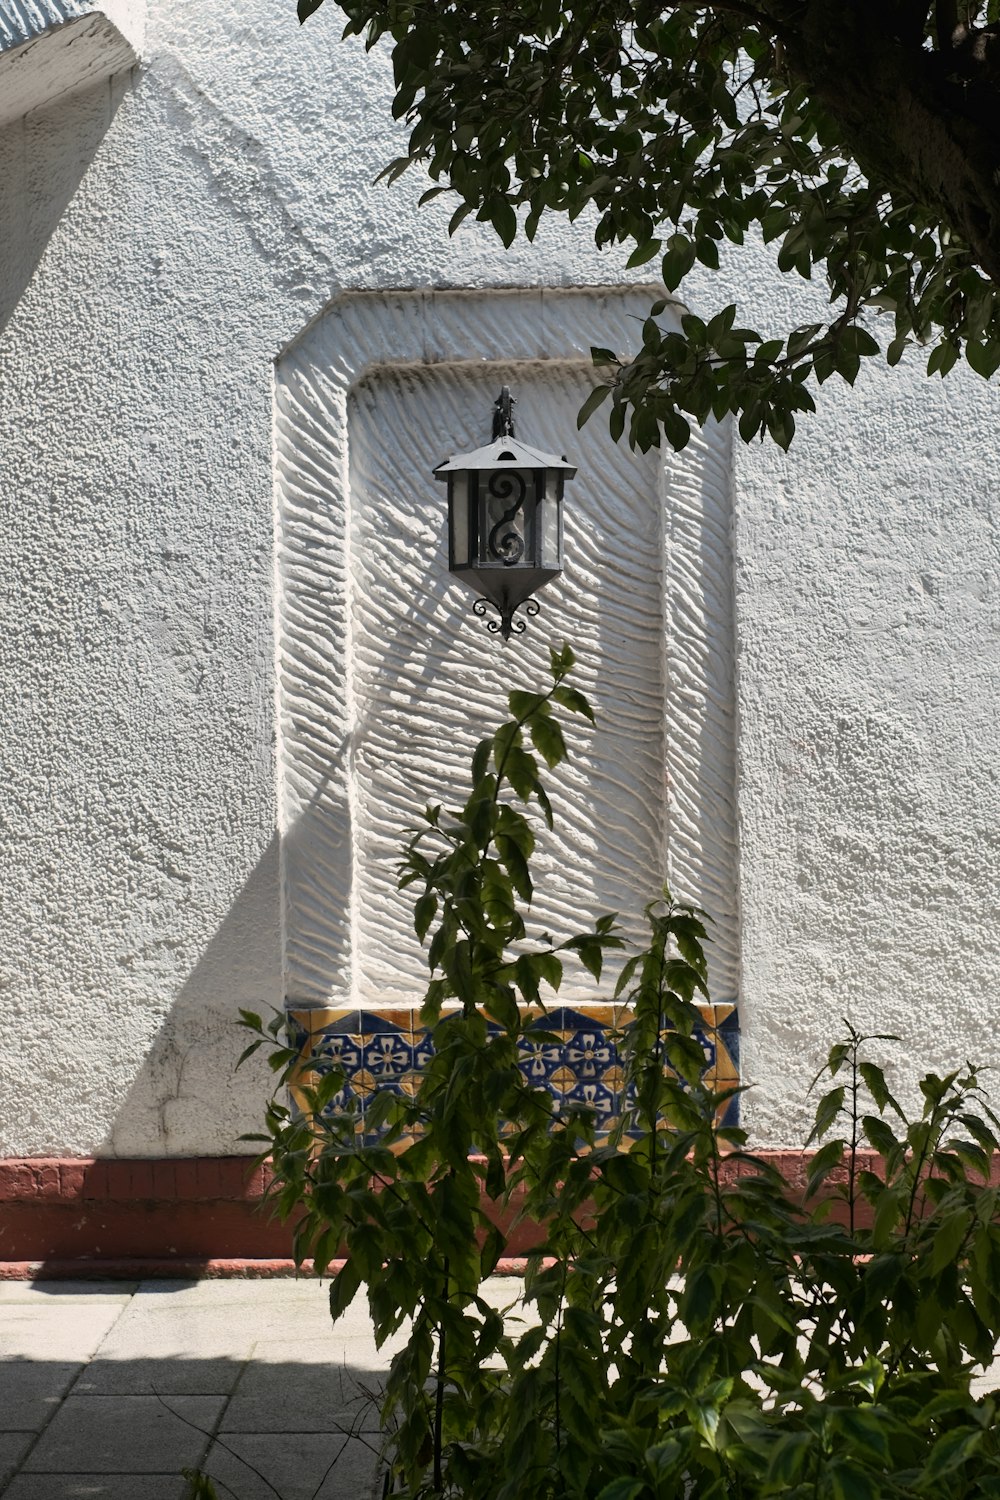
{"x":854,"y":1132}
{"x":439,"y":1394}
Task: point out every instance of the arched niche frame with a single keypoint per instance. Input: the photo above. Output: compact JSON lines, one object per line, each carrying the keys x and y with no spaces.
{"x":386,"y":681}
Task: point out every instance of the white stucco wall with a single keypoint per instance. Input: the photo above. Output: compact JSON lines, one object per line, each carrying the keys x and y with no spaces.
{"x":166,"y":234}
{"x":868,"y":601}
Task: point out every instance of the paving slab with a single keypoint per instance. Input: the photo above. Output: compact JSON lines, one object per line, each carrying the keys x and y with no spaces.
{"x":13,"y":1447}
{"x":102,"y":1382}
{"x":97,"y":1487}
{"x":30,"y":1391}
{"x":325,"y":1340}
{"x":297,"y":1466}
{"x":323,"y":1351}
{"x":215,"y":1292}
{"x":42,"y":1293}
{"x":303,"y":1393}
{"x":168,"y":1334}
{"x":125,"y":1435}
{"x":66,"y":1331}
{"x":159,"y":1376}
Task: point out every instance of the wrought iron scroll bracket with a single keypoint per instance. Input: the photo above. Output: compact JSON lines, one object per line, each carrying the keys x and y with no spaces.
{"x":505,"y":625}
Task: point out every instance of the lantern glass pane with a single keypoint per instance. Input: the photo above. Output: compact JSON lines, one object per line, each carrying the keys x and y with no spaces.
{"x":507,"y":505}
{"x":458,"y":500}
{"x":550,"y":521}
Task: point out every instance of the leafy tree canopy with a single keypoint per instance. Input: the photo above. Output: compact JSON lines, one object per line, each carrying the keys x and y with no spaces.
{"x":863,"y":136}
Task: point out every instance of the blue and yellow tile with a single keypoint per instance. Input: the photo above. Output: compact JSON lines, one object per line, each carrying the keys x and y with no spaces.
{"x":576,"y":1057}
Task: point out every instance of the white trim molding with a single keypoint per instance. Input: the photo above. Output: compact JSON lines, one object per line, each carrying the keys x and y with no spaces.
{"x":51,"y":48}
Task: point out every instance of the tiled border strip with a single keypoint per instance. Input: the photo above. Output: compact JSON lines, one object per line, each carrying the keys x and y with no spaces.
{"x":381,"y":1049}
{"x":201,"y":1216}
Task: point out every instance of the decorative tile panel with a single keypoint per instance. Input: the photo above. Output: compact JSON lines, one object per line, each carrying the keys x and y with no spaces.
{"x":578,"y":1060}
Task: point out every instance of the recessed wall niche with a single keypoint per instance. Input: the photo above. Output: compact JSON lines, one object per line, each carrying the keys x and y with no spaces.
{"x":387,"y":680}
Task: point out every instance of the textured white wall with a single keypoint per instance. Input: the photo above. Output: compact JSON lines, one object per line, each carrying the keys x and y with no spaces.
{"x":165,"y":235}
{"x":50,"y":49}
{"x":868,"y":667}
{"x":868,"y":600}
{"x":23,"y":21}
{"x":74,"y":47}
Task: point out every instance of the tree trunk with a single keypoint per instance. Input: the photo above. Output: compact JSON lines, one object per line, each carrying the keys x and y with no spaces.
{"x":927,"y":122}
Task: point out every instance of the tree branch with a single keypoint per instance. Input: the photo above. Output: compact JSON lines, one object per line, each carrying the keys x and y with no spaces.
{"x":906,"y":119}
{"x":945,"y":23}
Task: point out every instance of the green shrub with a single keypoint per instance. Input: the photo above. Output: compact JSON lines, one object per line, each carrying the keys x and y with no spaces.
{"x":697,"y":1326}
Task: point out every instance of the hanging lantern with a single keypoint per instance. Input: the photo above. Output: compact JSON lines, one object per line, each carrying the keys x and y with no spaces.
{"x":505,"y":530}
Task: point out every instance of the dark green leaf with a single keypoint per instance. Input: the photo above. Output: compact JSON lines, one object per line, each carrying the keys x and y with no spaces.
{"x":787,"y":1460}
{"x":948,"y":1239}
{"x":524,"y":705}
{"x":424,"y":913}
{"x":623,"y":1488}
{"x":984,"y":358}
{"x":827,"y":1113}
{"x":643,"y":253}
{"x":573,"y":700}
{"x":547,"y":738}
{"x":825,"y":1161}
{"x":597,"y":397}
{"x":879,"y":1134}
{"x":521,"y":771}
{"x":850,"y":1482}
{"x":481,"y":759}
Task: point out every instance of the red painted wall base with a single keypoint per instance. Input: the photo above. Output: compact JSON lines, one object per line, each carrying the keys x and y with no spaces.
{"x":196,"y":1217}
{"x":71,"y":1211}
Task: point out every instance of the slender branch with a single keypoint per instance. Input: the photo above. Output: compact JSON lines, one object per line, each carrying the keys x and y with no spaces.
{"x":852,"y":1178}
{"x":439,"y":1394}
{"x":559,"y":1321}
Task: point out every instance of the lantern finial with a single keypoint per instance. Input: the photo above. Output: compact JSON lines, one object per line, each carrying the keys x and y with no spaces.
{"x":503,"y":414}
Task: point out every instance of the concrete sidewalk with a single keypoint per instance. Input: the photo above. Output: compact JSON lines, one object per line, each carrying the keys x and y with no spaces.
{"x":109,"y":1389}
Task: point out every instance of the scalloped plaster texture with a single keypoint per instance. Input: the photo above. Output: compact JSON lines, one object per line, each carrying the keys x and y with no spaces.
{"x":387,"y":682}
{"x":50,"y":48}
{"x":166,"y":234}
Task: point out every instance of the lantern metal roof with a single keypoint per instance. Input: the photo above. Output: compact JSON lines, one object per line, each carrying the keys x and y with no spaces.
{"x":504,"y":453}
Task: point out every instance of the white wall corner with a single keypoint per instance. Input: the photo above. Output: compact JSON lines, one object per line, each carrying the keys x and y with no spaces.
{"x":50,"y":48}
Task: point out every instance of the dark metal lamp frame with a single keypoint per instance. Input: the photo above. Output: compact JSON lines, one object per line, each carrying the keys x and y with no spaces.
{"x":528,"y":485}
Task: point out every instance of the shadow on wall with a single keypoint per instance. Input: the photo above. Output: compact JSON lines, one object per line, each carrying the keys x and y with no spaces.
{"x":185,"y":1100}
{"x":44,"y":157}
{"x":182,"y":1100}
